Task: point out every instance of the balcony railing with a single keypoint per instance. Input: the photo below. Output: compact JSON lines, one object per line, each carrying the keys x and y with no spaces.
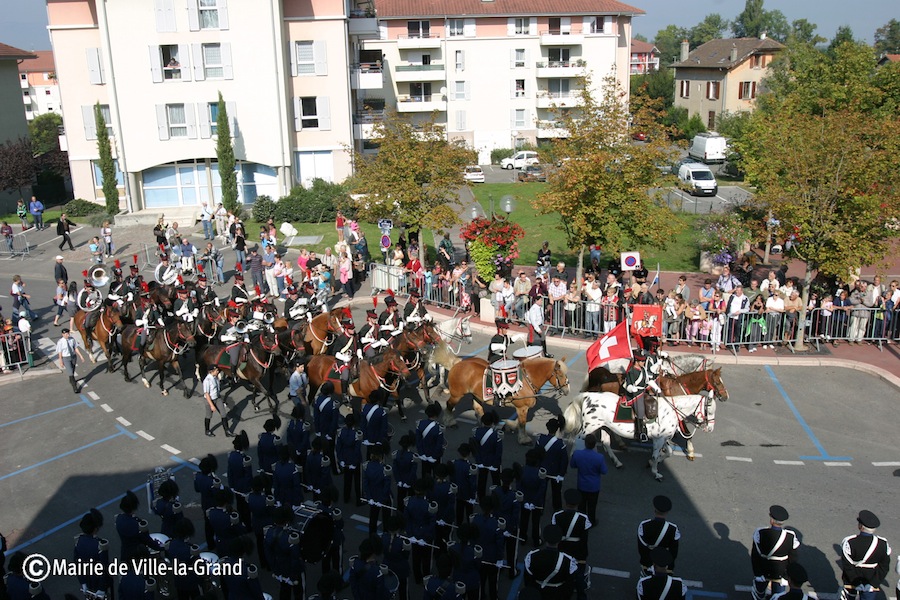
{"x":419,"y":98}
{"x":365,"y":118}
{"x":375,"y":67}
{"x":418,"y":36}
{"x":409,"y":68}
{"x":559,"y":64}
{"x":571,"y":31}
{"x":359,"y":13}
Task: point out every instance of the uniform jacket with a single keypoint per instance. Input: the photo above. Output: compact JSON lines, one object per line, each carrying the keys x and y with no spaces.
{"x":556,"y":454}
{"x":325,"y":416}
{"x":376,"y":485}
{"x":488,"y":447}
{"x":240,"y":474}
{"x":430,"y":439}
{"x":266,"y":450}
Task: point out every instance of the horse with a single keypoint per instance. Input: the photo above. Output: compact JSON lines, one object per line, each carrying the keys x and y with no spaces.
{"x":596,"y":412}
{"x":104,"y":331}
{"x":457,"y":330}
{"x":709,"y":380}
{"x":165,"y":347}
{"x":467,"y":377}
{"x":291,"y":343}
{"x":319,"y":328}
{"x":601,"y":379}
{"x":610,"y":376}
{"x":411,"y":344}
{"x":384,"y":370}
{"x":207,"y":324}
{"x":256,"y":356}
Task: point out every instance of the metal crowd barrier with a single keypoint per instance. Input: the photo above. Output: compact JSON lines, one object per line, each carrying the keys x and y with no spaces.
{"x":15,"y":351}
{"x":434,"y":291}
{"x":16,"y":246}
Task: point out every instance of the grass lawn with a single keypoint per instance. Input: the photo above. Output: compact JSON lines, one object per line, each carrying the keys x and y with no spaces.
{"x":682,"y":254}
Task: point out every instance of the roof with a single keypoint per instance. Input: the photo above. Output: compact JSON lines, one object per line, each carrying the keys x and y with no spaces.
{"x":643,"y":47}
{"x":10,"y":53}
{"x":886,"y":58}
{"x":443,"y":8}
{"x":716,"y":54}
{"x":42,"y":64}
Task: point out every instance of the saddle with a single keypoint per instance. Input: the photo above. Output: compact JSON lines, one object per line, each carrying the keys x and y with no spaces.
{"x":223,"y":358}
{"x":624,"y":409}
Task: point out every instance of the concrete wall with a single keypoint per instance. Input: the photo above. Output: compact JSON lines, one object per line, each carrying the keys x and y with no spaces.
{"x":12,"y":122}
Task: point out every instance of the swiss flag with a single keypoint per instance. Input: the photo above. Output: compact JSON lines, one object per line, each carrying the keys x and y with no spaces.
{"x":611,"y":346}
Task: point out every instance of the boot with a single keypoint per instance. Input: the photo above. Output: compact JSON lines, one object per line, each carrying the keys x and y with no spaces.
{"x":640,"y":430}
{"x":225,"y":428}
{"x":206,"y":426}
{"x":74,"y":383}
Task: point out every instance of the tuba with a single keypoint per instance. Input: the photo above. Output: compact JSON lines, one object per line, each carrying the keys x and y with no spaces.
{"x":98,"y":275}
{"x":89,"y":300}
{"x":240,"y":327}
{"x":165,"y":274}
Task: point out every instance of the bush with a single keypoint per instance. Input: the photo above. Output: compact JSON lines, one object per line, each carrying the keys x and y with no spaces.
{"x":263,"y":209}
{"x":96,"y":219}
{"x":289,"y":207}
{"x":314,"y":205}
{"x":498,"y":154}
{"x":82,"y":208}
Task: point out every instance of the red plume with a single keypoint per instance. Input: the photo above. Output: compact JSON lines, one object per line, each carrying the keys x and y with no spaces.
{"x":85,"y":273}
{"x":374,"y":302}
{"x":200,"y":267}
{"x":144,"y":286}
{"x":389,"y":292}
{"x":118,"y":264}
{"x":239,"y":267}
{"x":134,"y":258}
{"x":180,"y":280}
{"x":288,"y":280}
{"x":347,"y":312}
{"x":503,"y":311}
{"x":258,"y":291}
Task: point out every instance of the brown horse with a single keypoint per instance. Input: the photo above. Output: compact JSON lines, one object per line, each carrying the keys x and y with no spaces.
{"x":319,"y":330}
{"x":165,"y":347}
{"x":291,"y":343}
{"x":207,"y":324}
{"x":694,"y":383}
{"x":601,"y":379}
{"x":411,"y":346}
{"x":104,"y":331}
{"x":467,"y":377}
{"x":255,"y":359}
{"x":382,"y":371}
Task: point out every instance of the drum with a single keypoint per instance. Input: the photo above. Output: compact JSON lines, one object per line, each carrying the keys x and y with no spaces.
{"x":527,"y":352}
{"x":161,"y":539}
{"x":392,"y":582}
{"x":505,"y":377}
{"x":316,"y":532}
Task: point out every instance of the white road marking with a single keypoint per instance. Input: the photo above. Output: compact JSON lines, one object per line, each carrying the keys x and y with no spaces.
{"x":739,"y":458}
{"x":611,"y":572}
{"x":169,"y":448}
{"x":124,"y":421}
{"x":360,"y":518}
{"x":698,"y":585}
{"x":789,"y":462}
{"x":145,"y":435}
{"x":93,"y":395}
{"x":886,"y":464}
{"x":106,"y":407}
{"x":743,"y":588}
{"x":194,"y":460}
{"x":838,"y":464}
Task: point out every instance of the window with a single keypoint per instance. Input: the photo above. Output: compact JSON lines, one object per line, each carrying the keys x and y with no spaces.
{"x":202,"y":14}
{"x":460,"y":60}
{"x":756,"y":62}
{"x":712,"y":90}
{"x":46,"y":92}
{"x":455,"y":27}
{"x":312,"y":112}
{"x":418,"y":29}
{"x":711,"y":120}
{"x":308,"y":115}
{"x":602,"y":25}
{"x":209,"y":14}
{"x":521,"y":26}
{"x":314,"y":165}
{"x":212,"y":61}
{"x":555,"y":25}
{"x":520,"y":58}
{"x":213,"y":112}
{"x":558,"y":88}
{"x":171,"y":65}
{"x":176,"y":117}
{"x":520,"y":88}
{"x":426,"y":59}
{"x":685,"y":88}
{"x":460,"y":120}
{"x":26,"y":93}
{"x":520,"y":117}
{"x":23,"y":77}
{"x":308,"y":58}
{"x":747,"y":90}
{"x":90,"y":124}
{"x":559,"y":57}
{"x":98,"y":176}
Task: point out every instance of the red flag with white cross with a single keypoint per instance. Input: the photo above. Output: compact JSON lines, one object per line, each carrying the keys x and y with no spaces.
{"x":611,"y":346}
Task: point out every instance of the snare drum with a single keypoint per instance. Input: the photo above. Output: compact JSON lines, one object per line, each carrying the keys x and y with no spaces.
{"x":392,"y":582}
{"x":316,"y":533}
{"x":528,"y":352}
{"x":161,"y":539}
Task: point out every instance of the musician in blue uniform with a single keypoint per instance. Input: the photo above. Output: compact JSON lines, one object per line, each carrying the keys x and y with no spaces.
{"x":266,"y":451}
{"x":240,"y":474}
{"x":556,"y":458}
{"x":134,"y":585}
{"x":261,"y":506}
{"x":132,"y":530}
{"x":17,"y":586}
{"x":91,"y":548}
{"x":490,"y":538}
{"x":405,"y":467}
{"x":167,"y":507}
{"x":325,"y":417}
{"x":467,"y":555}
{"x":419,"y":514}
{"x":205,"y":484}
{"x":299,"y":433}
{"x":366,"y":578}
{"x":661,"y":584}
{"x":548,"y":570}
{"x":488,"y":443}
{"x":865,"y":559}
{"x":463,"y":477}
{"x":180,"y":549}
{"x":772,"y":549}
{"x":444,"y":493}
{"x":240,"y":580}
{"x":657,"y":532}
{"x":442,"y":586}
{"x":396,"y":553}
{"x":376,"y":480}
{"x":348,"y":449}
{"x":333,"y":558}
{"x":287,"y":479}
{"x":509,"y":507}
{"x":374,"y":424}
{"x":318,"y":469}
{"x":430,"y":439}
{"x":222,"y":517}
{"x":575,"y":526}
{"x":534,"y":490}
{"x":282,"y":548}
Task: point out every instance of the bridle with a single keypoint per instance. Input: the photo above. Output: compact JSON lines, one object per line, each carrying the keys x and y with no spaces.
{"x":175,"y":348}
{"x":700,"y":411}
{"x":270,"y":349}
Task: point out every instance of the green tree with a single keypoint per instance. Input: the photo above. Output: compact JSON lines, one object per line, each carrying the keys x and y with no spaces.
{"x":668,"y":42}
{"x":712,"y":27}
{"x":225,"y":157}
{"x":603,"y":194}
{"x":414,"y":176}
{"x":639,"y":37}
{"x":887,"y":38}
{"x":44,"y":133}
{"x":804,"y":32}
{"x":659,"y":85}
{"x":755,"y":20}
{"x":843,"y":35}
{"x":17,"y":165}
{"x":733,"y":124}
{"x":107,"y":164}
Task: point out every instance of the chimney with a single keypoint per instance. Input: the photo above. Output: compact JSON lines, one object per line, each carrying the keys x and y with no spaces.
{"x":762,"y":35}
{"x":733,"y":56}
{"x":685,"y":50}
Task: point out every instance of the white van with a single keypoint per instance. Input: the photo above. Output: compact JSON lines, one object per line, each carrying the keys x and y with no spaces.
{"x":709,"y":147}
{"x":520,"y":160}
{"x":701,"y":180}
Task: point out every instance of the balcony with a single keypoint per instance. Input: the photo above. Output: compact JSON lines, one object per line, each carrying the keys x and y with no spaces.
{"x":557,"y":69}
{"x":559,"y":99}
{"x":407,"y":73}
{"x":23,"y":83}
{"x":558,"y":37}
{"x":418,"y":42}
{"x":364,"y":123}
{"x":362,"y":23}
{"x":551,"y":129}
{"x":421,"y":104}
{"x":366,"y":76}
{"x":27,"y":99}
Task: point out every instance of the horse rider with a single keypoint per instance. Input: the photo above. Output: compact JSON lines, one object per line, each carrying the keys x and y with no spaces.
{"x":185,"y":307}
{"x":772,"y":549}
{"x":168,"y":271}
{"x":233,"y":337}
{"x":205,"y":295}
{"x":147,"y":317}
{"x":239,"y":293}
{"x":638,"y":380}
{"x":346,"y":352}
{"x":369,"y":335}
{"x":657,"y":533}
{"x":117,"y":289}
{"x":296,"y":306}
{"x":415,"y":312}
{"x":389,"y":323}
{"x":865,"y":559}
{"x":88,"y":300}
{"x":133,"y":281}
{"x":501,"y":342}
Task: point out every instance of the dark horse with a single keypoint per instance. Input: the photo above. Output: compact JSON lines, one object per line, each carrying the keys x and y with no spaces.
{"x":382,"y":371}
{"x":255,"y":360}
{"x":104,"y":331}
{"x":601,"y":379}
{"x":709,"y":380}
{"x":165,"y":347}
{"x":411,"y":345}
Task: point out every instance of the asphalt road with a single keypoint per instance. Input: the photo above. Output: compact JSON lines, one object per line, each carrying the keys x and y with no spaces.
{"x":819,"y":442}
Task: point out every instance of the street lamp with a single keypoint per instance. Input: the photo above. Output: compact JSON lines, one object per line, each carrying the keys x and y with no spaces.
{"x":507,"y":205}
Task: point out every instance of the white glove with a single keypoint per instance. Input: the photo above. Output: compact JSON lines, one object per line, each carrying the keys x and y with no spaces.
{"x":359,"y":354}
{"x":343,"y":356}
{"x":654,"y":386}
{"x":428,"y":317}
{"x":371,"y":502}
{"x":498,"y":347}
{"x":632,"y":389}
{"x":663,"y":354}
{"x":216,"y":302}
{"x":396,"y":332}
{"x":519,"y":337}
{"x":140,"y":322}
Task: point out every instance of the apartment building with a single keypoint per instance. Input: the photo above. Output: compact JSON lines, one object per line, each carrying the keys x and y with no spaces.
{"x":40,"y":91}
{"x":644,"y":57}
{"x":13,"y":125}
{"x":496,"y":72}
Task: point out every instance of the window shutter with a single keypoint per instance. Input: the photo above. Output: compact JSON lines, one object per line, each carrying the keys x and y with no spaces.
{"x":587,"y":23}
{"x":527,"y":58}
{"x":205,"y":122}
{"x":162,"y":122}
{"x":510,"y":27}
{"x":512,"y":88}
{"x":753,"y":90}
{"x":565,"y":25}
{"x":382,"y":31}
{"x":320,"y":58}
{"x":741,"y":91}
{"x":165,"y":16}
{"x":525,"y":120}
{"x":223,"y":14}
{"x":512,"y":118}
{"x":607,"y":25}
{"x":193,"y":16}
{"x":155,"y":64}
{"x":190,"y":119}
{"x":184,"y":59}
{"x":169,"y":7}
{"x":532,"y":26}
{"x":446,"y":28}
{"x":292,"y":50}
{"x":708,"y":89}
{"x":528,"y":88}
{"x":90,"y":125}
{"x":231,"y":107}
{"x":469,"y":27}
{"x":95,"y":66}
{"x":297,"y":123}
{"x":460,"y":120}
{"x":227,"y":68}
{"x":197,"y":56}
{"x":512,"y":59}
{"x":468,"y":90}
{"x":323,"y":111}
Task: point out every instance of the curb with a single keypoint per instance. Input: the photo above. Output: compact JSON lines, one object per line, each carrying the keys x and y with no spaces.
{"x":27,"y":375}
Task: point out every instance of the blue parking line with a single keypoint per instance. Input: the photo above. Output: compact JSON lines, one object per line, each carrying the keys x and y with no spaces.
{"x":86,"y":400}
{"x":41,"y":414}
{"x":823,"y":455}
{"x":517,"y":582}
{"x":65,"y":524}
{"x":701,"y":593}
{"x":59,"y":456}
{"x":185,"y":463}
{"x":126,"y":432}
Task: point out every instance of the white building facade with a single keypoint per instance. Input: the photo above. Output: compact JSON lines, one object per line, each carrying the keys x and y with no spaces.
{"x":40,"y":92}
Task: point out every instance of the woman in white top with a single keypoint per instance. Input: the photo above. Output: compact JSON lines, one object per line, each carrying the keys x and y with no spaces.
{"x":593,"y":294}
{"x":106,"y":236}
{"x":774,"y":313}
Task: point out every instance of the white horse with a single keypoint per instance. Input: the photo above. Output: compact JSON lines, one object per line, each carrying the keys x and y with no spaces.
{"x":595,"y":411}
{"x":457,"y":330}
{"x":674,"y":363}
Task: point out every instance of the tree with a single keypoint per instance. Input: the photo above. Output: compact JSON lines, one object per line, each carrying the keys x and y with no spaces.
{"x":657,"y":85}
{"x":638,"y":37}
{"x":225,"y":157}
{"x":754,"y":21}
{"x":668,"y":42}
{"x":712,"y":27}
{"x":17,"y":165}
{"x":804,"y":32}
{"x":843,"y":35}
{"x":414,"y":176}
{"x":107,"y":164}
{"x":602,"y":194}
{"x":733,"y":124}
{"x":887,"y":38}
{"x":44,"y":133}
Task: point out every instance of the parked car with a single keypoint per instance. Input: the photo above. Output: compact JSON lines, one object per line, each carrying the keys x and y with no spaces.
{"x":532,"y":173}
{"x":474,"y":174}
{"x":699,"y":178}
{"x":520,"y":160}
{"x":639,"y":136}
{"x":709,"y":147}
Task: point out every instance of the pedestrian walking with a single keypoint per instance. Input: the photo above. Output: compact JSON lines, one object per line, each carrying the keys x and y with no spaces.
{"x":60,"y":271}
{"x":7,"y":232}
{"x":591,"y":466}
{"x":36,"y":208}
{"x":63,"y":229}
{"x":214,"y":402}
{"x":865,"y":559}
{"x":61,"y":299}
{"x":67,"y":350}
